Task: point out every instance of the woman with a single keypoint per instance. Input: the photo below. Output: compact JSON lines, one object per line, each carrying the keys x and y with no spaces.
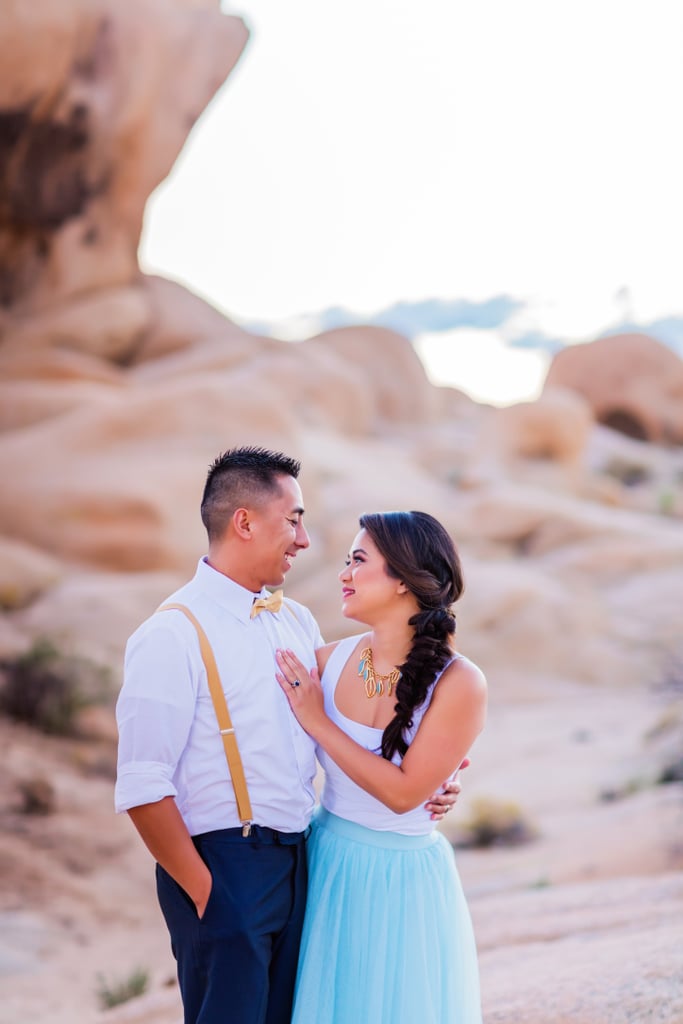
{"x":394,"y":711}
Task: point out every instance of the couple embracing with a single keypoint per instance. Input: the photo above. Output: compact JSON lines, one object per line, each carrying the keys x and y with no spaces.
{"x":353,"y":913}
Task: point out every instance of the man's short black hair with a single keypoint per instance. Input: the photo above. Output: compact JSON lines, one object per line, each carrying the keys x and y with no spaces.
{"x":239,"y":478}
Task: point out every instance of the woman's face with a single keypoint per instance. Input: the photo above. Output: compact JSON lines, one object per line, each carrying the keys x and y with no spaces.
{"x":367,"y":587}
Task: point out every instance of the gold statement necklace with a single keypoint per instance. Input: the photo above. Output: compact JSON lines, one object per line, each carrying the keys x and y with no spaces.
{"x":374,"y":682}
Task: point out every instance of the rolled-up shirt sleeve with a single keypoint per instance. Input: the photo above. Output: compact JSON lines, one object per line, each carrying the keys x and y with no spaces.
{"x":154,"y":712}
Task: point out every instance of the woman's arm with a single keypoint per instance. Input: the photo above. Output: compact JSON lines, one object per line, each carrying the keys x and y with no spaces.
{"x":443,"y":799}
{"x":452,"y":722}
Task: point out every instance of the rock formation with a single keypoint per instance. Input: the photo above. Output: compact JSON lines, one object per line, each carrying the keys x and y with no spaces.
{"x":633,"y":383}
{"x":96,"y":100}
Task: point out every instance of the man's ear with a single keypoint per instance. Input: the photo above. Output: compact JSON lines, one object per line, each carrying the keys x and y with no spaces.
{"x":241,"y":522}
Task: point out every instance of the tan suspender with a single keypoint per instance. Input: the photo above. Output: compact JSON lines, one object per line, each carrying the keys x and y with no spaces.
{"x":224,"y":722}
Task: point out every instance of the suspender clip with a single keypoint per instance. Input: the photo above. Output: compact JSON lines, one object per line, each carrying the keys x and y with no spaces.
{"x":246,"y":829}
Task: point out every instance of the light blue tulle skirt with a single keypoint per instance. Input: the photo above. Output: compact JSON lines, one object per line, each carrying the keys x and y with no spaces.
{"x":388,"y":937}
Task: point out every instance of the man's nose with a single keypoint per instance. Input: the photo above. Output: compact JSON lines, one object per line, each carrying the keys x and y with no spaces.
{"x":302,"y":538}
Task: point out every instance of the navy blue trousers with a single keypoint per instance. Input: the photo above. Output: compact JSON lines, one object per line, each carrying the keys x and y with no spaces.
{"x":237,"y":965}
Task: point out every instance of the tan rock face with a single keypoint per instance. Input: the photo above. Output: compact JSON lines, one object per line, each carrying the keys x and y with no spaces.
{"x":92,"y":122}
{"x":633,"y":383}
{"x":556,"y":427}
{"x":106,"y":324}
{"x":387,"y":365}
{"x":178,"y":322}
{"x":25,"y":574}
{"x":25,"y":363}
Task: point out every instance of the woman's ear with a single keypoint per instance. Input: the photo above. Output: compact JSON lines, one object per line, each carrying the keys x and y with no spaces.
{"x":402,"y":588}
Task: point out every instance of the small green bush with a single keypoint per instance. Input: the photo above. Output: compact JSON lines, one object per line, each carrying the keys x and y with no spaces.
{"x":666,"y":502}
{"x":114,"y":993}
{"x":46,"y":689}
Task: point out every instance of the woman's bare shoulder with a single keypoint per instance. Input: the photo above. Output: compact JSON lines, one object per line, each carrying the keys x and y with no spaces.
{"x":323,"y":653}
{"x":464,"y":675}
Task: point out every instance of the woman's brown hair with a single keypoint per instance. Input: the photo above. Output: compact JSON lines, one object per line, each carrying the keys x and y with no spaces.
{"x":418,"y":550}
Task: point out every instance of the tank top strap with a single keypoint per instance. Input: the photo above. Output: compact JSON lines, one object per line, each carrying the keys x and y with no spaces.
{"x":337,"y":659}
{"x":456,"y":657}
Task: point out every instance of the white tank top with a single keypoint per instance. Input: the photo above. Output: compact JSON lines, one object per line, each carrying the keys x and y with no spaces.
{"x":340,"y":795}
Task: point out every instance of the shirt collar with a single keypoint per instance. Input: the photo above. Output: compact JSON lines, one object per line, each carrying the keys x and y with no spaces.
{"x":233,"y":597}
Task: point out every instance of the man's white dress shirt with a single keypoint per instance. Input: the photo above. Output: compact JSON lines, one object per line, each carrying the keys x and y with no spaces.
{"x":169,"y":743}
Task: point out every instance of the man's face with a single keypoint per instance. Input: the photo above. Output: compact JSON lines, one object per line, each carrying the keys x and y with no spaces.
{"x":278,"y":533}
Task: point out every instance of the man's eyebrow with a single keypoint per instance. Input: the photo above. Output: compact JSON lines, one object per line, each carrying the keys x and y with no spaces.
{"x":298,"y":511}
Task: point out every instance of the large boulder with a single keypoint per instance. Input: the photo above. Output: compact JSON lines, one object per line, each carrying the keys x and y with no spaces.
{"x":180,"y":322}
{"x":555,"y":427}
{"x":122,"y":485}
{"x":92,"y":122}
{"x":633,"y":383}
{"x":389,"y":375}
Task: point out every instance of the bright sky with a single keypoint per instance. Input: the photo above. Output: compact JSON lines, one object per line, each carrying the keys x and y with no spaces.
{"x":379,"y":151}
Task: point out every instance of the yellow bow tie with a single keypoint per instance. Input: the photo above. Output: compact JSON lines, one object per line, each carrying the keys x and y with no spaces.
{"x":272,"y":603}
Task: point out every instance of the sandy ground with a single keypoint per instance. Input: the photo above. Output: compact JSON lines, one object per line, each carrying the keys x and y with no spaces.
{"x":584,"y":923}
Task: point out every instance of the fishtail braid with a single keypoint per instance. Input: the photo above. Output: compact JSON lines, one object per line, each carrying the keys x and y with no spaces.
{"x":419,"y":551}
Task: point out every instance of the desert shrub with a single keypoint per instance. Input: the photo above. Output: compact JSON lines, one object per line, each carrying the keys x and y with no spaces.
{"x":667,"y":731}
{"x":46,"y":688}
{"x":116,"y":992}
{"x":627,"y":471}
{"x":495,"y":822}
{"x":666,"y":502}
{"x":671,"y":772}
{"x":669,"y":682}
{"x":670,"y":721}
{"x":623,"y":790}
{"x":37,"y":795}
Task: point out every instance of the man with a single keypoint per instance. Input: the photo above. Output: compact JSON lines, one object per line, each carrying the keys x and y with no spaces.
{"x":233,"y":894}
